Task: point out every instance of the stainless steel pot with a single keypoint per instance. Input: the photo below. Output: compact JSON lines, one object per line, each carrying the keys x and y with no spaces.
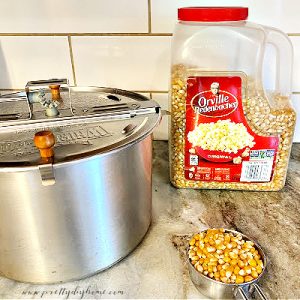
{"x":70,"y":215}
{"x":219,"y":290}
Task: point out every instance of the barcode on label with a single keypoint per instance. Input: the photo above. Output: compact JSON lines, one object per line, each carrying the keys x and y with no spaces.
{"x":256,"y":171}
{"x":193,"y":160}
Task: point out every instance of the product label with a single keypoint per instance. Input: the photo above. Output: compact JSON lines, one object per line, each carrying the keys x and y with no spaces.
{"x":219,"y":143}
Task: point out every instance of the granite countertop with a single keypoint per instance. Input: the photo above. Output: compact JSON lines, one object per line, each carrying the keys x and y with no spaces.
{"x":158,"y":269}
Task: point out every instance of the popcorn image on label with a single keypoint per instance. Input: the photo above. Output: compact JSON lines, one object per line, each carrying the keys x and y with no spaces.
{"x":224,"y":135}
{"x":237,"y":160}
{"x":246,"y":152}
{"x":192,"y":151}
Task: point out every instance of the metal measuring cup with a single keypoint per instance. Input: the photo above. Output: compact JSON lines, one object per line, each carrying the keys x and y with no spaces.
{"x":219,"y":290}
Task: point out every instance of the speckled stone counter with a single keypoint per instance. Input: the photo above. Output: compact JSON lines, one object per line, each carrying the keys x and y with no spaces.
{"x":157,"y":268}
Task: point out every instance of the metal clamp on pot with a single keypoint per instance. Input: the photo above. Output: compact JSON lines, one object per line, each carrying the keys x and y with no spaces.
{"x":44,"y":141}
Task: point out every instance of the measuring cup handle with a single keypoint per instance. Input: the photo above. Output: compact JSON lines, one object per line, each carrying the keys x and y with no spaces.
{"x":258,"y":291}
{"x":240,"y":294}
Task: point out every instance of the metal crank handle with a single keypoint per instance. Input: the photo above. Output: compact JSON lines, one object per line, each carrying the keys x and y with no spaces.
{"x":52,"y":81}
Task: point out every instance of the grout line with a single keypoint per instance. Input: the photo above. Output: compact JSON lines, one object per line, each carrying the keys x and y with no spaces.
{"x":88,"y":34}
{"x":149,"y":33}
{"x":166,"y":92}
{"x":72,"y":60}
{"x":136,"y":91}
{"x":151,"y":92}
{"x":149,"y":17}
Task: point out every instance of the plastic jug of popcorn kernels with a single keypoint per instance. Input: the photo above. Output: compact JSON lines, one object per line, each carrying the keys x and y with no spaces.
{"x":232,"y":122}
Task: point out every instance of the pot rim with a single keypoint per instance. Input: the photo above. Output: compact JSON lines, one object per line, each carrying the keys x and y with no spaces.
{"x":75,"y":160}
{"x":146,"y":127}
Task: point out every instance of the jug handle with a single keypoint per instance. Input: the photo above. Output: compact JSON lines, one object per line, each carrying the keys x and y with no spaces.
{"x":284,"y":58}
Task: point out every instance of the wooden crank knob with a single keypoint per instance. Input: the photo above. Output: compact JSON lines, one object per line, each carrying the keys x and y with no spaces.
{"x":55,"y":91}
{"x":44,"y":141}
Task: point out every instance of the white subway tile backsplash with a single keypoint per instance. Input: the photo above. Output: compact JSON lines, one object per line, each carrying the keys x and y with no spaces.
{"x":161,"y":132}
{"x":282,"y":14}
{"x":296,"y":66}
{"x":87,"y":16}
{"x":128,"y":62}
{"x":296,"y":104}
{"x":30,"y":58}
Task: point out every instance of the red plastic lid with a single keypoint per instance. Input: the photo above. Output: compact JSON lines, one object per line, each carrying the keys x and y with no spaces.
{"x":212,"y":14}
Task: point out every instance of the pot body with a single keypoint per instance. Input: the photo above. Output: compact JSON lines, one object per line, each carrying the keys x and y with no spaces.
{"x":96,"y":213}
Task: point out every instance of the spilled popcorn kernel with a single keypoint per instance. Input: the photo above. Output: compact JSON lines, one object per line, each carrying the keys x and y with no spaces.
{"x":237,"y":160}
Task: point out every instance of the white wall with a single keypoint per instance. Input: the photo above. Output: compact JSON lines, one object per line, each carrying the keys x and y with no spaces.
{"x":117,"y":43}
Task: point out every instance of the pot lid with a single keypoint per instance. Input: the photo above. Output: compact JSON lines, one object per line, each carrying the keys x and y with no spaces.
{"x":84,"y":121}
